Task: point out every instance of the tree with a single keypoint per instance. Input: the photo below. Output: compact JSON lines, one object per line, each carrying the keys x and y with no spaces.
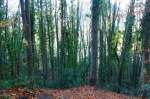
{"x":126,"y":42}
{"x":76,"y":40}
{"x":57,"y":33}
{"x":43,"y":43}
{"x":50,"y":32}
{"x":63,"y":30}
{"x":1,"y":57}
{"x":25,"y":11}
{"x":95,"y":18}
{"x":1,"y":64}
{"x":146,"y":47}
{"x":109,"y":40}
{"x":32,"y":14}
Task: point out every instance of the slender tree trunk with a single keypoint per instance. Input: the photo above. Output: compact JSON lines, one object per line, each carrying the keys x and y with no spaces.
{"x":146,"y":48}
{"x":27,"y":29}
{"x":104,"y":47}
{"x":113,"y":50}
{"x":1,"y":66}
{"x":43,"y":42}
{"x":32,"y":14}
{"x":109,"y":40}
{"x":76,"y":41}
{"x":95,"y":18}
{"x":126,"y":44}
{"x":113,"y":20}
{"x":63,"y":29}
{"x":89,"y":53}
{"x":18,"y":57}
{"x":84,"y":56}
{"x":57,"y":39}
{"x":50,"y":37}
{"x":9,"y":43}
{"x":101,"y":58}
{"x":100,"y":71}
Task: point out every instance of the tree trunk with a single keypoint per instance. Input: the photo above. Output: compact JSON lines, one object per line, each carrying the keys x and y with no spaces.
{"x":76,"y":41}
{"x":63,"y":29}
{"x":57,"y":32}
{"x":1,"y":70}
{"x":109,"y":40}
{"x":95,"y":18}
{"x":32,"y":14}
{"x":1,"y":64}
{"x":50,"y":37}
{"x":19,"y":52}
{"x":104,"y":47}
{"x":27,"y":29}
{"x":43,"y":44}
{"x":126,"y":43}
{"x":146,"y":48}
{"x":101,"y":58}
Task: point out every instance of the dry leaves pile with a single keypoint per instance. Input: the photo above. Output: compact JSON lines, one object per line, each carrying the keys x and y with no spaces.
{"x":20,"y":93}
{"x":84,"y":92}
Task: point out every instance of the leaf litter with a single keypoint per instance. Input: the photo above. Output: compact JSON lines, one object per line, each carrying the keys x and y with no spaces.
{"x":83,"y":92}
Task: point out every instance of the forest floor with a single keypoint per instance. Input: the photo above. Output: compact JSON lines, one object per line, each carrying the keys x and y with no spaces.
{"x":83,"y":92}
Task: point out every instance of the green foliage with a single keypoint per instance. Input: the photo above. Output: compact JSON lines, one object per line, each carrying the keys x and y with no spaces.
{"x":12,"y":46}
{"x":79,"y":82}
{"x":6,"y":84}
{"x":146,"y":90}
{"x":148,"y":87}
{"x":66,"y":80}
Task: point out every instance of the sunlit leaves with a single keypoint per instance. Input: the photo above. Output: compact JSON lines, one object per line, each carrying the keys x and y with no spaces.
{"x":7,"y":23}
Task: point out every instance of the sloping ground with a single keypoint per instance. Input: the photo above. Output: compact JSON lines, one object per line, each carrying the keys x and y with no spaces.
{"x":84,"y":92}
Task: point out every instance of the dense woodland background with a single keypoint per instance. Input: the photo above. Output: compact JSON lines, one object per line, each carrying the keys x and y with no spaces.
{"x":48,"y":44}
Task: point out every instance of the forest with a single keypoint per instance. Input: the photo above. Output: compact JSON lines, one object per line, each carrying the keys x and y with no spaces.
{"x":93,"y":45}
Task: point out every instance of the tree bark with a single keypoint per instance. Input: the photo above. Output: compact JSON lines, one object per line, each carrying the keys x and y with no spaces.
{"x":146,"y":48}
{"x":109,"y":40}
{"x":50,"y":32}
{"x":63,"y":29}
{"x":1,"y":3}
{"x":32,"y":14}
{"x":43,"y":44}
{"x":76,"y":41}
{"x":57,"y":33}
{"x":1,"y":66}
{"x":101,"y":58}
{"x":27,"y":29}
{"x":95,"y":18}
{"x":126,"y":43}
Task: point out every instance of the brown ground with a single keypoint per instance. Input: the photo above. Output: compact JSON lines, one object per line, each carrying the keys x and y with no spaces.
{"x":84,"y":92}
